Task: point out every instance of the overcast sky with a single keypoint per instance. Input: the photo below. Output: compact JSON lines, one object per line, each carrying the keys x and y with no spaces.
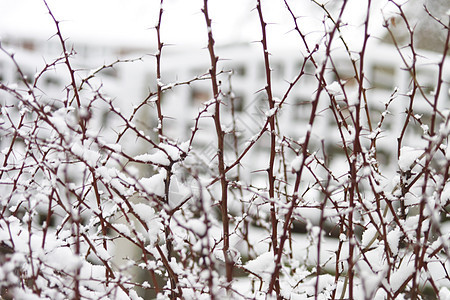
{"x":112,"y":21}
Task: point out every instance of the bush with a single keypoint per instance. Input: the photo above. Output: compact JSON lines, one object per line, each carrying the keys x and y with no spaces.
{"x":351,"y":202}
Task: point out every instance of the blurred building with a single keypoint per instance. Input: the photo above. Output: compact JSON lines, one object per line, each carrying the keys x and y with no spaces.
{"x":242,"y":81}
{"x":121,"y":67}
{"x":125,"y":71}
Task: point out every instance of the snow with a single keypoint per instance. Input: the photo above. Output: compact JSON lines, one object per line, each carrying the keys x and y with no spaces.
{"x":90,"y":156}
{"x":164,"y":155}
{"x":122,"y":229}
{"x":445,"y":195}
{"x":296,"y":163}
{"x":144,"y":211}
{"x":147,"y":214}
{"x":444,"y":293}
{"x":63,"y":258}
{"x":158,"y":158}
{"x":264,"y":263}
{"x":368,"y":236}
{"x":115,"y":147}
{"x":117,"y":184}
{"x":134,"y":295}
{"x":372,"y":282}
{"x":154,"y":184}
{"x":399,"y":276}
{"x":271,"y":112}
{"x":393,"y":239}
{"x":334,"y":88}
{"x":103,"y":253}
{"x":59,"y":122}
{"x":444,"y":128}
{"x":447,"y":152}
{"x":197,"y":226}
{"x":105,"y":173}
{"x":408,"y":156}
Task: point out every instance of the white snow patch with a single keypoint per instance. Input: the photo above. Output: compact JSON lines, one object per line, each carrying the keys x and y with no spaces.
{"x":271,"y":112}
{"x":154,"y":184}
{"x":408,"y":156}
{"x":59,"y":123}
{"x":144,"y":211}
{"x":296,"y":163}
{"x":393,"y":239}
{"x":115,"y":183}
{"x":63,"y":258}
{"x":47,"y":109}
{"x":103,"y":254}
{"x":368,"y":235}
{"x":445,"y":195}
{"x":104,"y":173}
{"x":265,"y":263}
{"x":164,"y":155}
{"x":444,"y":293}
{"x":197,"y":226}
{"x":401,"y":275}
{"x":147,"y":214}
{"x":89,"y":156}
{"x":334,"y":88}
{"x":123,"y":229}
{"x":447,"y":152}
{"x":115,"y":147}
{"x":158,"y":158}
{"x":134,"y":295}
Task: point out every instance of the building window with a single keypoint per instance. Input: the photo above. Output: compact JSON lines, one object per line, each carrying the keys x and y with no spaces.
{"x":383,"y":77}
{"x":109,"y":72}
{"x":26,"y":77}
{"x":42,"y":218}
{"x":104,"y":117}
{"x":376,"y":116}
{"x":426,"y":80}
{"x":199,"y":96}
{"x":278,"y":71}
{"x":261,"y":70}
{"x":345,"y":74}
{"x":238,"y":103}
{"x":52,"y":81}
{"x":240,"y":70}
{"x":2,"y":77}
{"x":302,"y":110}
{"x":309,"y":71}
{"x":28,"y":45}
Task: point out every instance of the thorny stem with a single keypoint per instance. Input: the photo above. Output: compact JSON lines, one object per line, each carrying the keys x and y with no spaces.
{"x":295,"y":196}
{"x":220,"y":147}
{"x":66,"y":59}
{"x":359,"y":74}
{"x":271,"y":118}
{"x":167,"y":180}
{"x":158,"y":73}
{"x":439,"y":83}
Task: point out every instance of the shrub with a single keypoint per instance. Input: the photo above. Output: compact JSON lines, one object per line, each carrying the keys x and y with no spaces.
{"x":352,"y":202}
